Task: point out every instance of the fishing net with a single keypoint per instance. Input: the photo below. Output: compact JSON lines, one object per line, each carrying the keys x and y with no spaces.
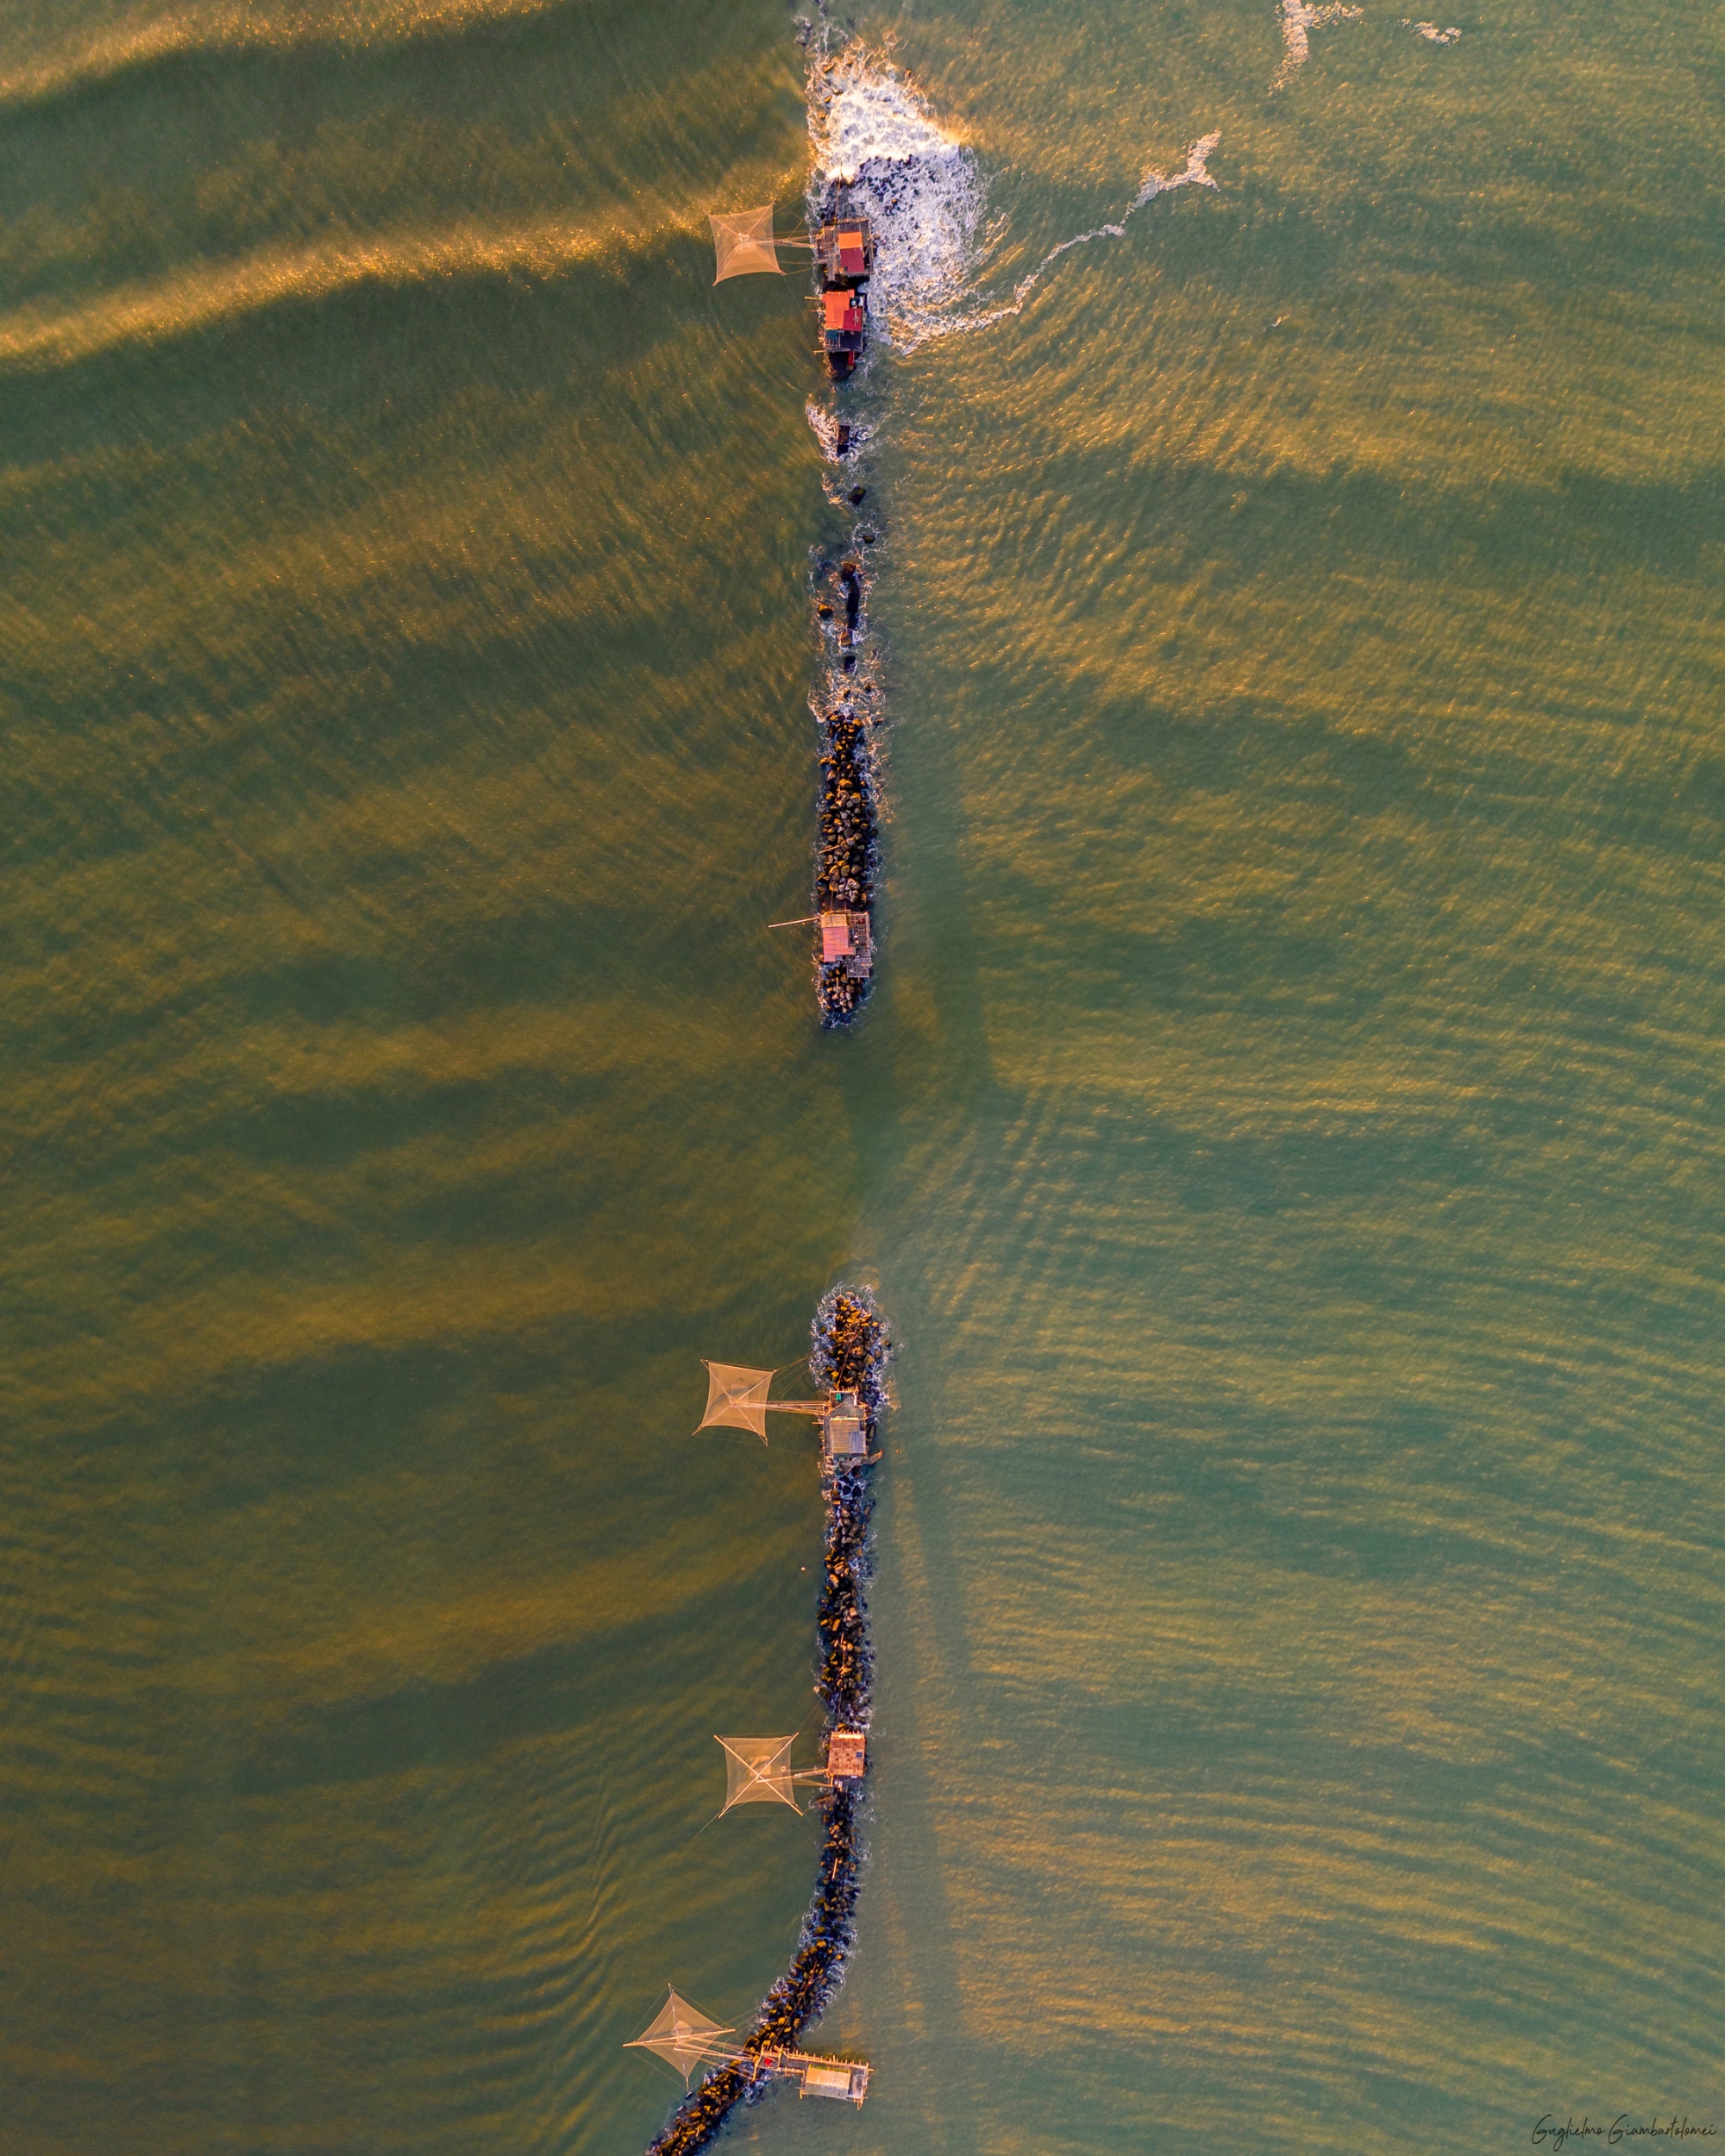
{"x":744,"y":243}
{"x":682,"y":2036}
{"x":735,"y":1398}
{"x":757,"y":1771}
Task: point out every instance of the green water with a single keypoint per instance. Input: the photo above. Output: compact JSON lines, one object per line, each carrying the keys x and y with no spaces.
{"x":1287,"y":1134}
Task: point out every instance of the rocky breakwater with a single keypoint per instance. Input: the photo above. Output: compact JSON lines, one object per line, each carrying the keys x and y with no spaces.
{"x":849,"y":1354}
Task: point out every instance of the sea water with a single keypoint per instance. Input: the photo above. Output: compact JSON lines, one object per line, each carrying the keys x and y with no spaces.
{"x":1286,"y":1134}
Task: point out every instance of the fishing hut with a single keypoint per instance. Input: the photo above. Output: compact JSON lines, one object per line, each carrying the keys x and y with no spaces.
{"x":745,"y":244}
{"x":847,"y":1755}
{"x":737,"y":1400}
{"x":844,"y":252}
{"x":845,"y":940}
{"x":846,"y":945}
{"x":843,"y":258}
{"x":843,"y":1432}
{"x":685,"y":2038}
{"x":757,"y":1769}
{"x":842,"y":329}
{"x":845,"y":2079}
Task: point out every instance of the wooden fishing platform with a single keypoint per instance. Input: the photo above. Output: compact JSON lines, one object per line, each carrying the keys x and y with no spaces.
{"x":845,"y":938}
{"x":847,"y":1755}
{"x":843,"y":1432}
{"x":845,"y":2080}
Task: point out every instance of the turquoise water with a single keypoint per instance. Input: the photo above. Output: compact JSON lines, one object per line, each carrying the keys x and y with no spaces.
{"x":1287,"y":1131}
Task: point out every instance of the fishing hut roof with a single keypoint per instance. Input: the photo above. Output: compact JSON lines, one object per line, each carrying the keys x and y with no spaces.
{"x":742,"y":241}
{"x":680,"y":2034}
{"x":847,"y":1754}
{"x":835,"y":935}
{"x":757,"y":1771}
{"x":735,"y":1398}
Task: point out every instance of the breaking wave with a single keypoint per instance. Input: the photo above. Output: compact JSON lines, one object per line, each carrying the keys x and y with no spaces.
{"x":921,"y":187}
{"x":836,"y":446}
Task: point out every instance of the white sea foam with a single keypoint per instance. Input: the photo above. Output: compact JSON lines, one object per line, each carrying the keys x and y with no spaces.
{"x":1431,"y":33}
{"x":917,"y":184}
{"x":1298,"y":22}
{"x":922,"y":191}
{"x":825,"y":425}
{"x":870,"y":116}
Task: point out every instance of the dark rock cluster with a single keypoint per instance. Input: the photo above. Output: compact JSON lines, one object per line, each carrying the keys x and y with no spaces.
{"x":850,"y":1349}
{"x":804,"y":1992}
{"x":848,"y":1355}
{"x":846,"y":1666}
{"x":846,"y":853}
{"x":696,"y":2120}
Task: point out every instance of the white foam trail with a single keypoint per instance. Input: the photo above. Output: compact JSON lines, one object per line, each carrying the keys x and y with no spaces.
{"x":921,"y":188}
{"x":1195,"y":173}
{"x":1298,"y":22}
{"x":1431,"y":33}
